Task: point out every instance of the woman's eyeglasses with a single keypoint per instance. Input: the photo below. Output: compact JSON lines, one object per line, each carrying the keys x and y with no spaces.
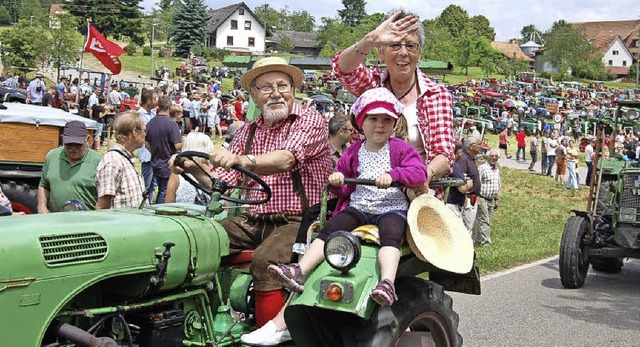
{"x":410,"y":46}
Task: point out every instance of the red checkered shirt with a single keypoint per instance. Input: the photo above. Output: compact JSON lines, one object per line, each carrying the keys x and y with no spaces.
{"x":435,"y":108}
{"x":307,"y":139}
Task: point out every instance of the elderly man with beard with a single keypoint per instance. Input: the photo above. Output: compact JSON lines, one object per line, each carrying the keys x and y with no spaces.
{"x":288,"y":148}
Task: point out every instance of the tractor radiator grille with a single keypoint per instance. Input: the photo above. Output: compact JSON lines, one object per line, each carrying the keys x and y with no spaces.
{"x":60,"y":250}
{"x":630,"y":193}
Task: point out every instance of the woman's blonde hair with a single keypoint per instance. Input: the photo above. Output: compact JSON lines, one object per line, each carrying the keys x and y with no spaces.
{"x":198,"y":142}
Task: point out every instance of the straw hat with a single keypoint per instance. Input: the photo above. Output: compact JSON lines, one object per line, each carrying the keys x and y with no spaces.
{"x":271,"y":64}
{"x":437,"y":236}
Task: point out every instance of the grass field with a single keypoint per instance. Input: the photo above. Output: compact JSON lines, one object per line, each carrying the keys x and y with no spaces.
{"x":142,"y":64}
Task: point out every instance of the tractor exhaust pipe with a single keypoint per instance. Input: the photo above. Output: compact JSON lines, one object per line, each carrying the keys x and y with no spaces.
{"x":80,"y":337}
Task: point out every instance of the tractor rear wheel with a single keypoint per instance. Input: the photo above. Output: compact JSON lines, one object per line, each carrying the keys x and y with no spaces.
{"x":574,"y":262}
{"x":22,"y":196}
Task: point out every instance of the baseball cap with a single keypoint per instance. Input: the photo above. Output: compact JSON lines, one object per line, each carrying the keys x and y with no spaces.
{"x":74,"y":132}
{"x":376,"y":101}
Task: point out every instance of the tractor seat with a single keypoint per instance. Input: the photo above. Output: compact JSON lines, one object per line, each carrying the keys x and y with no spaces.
{"x":244,"y":257}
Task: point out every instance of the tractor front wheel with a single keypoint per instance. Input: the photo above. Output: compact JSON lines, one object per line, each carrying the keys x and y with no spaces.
{"x":574,"y":262}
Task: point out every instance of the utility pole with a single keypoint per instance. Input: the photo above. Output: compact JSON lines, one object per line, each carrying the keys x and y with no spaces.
{"x":638,"y":57}
{"x":30,"y":21}
{"x":153,"y":31}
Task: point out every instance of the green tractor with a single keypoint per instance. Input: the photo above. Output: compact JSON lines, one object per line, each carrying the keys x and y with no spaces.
{"x":162,"y":276}
{"x":609,"y":230}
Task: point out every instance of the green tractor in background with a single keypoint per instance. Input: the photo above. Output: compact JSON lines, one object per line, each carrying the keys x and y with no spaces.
{"x":162,"y":276}
{"x":609,"y":229}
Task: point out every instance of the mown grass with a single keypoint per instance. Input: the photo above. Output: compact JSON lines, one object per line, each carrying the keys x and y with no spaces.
{"x":142,"y":64}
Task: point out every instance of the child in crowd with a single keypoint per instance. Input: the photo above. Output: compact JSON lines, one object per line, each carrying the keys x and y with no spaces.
{"x":383,"y":159}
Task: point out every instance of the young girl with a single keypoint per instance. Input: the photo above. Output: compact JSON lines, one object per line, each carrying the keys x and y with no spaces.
{"x":383,"y":159}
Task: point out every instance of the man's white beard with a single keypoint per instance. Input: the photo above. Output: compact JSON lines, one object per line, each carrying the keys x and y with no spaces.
{"x":275,"y":116}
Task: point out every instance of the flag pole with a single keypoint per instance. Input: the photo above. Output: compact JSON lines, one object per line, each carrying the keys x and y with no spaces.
{"x":86,"y":37}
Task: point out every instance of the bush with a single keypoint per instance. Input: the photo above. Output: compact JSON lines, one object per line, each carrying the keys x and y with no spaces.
{"x":146,"y":51}
{"x":131,"y":49}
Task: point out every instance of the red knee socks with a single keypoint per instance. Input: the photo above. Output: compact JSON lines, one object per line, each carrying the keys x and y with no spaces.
{"x":268,"y":304}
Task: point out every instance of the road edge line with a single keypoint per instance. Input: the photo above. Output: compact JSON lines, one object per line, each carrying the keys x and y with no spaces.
{"x":515,"y":269}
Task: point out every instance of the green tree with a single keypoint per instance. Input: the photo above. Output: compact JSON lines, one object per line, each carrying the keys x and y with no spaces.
{"x":5,"y":16}
{"x":23,"y":45}
{"x":455,"y":18}
{"x":33,"y":12}
{"x":334,"y":34}
{"x":526,"y":31}
{"x":189,"y":25}
{"x":439,"y":43}
{"x":481,"y":26}
{"x":269,"y":16}
{"x":66,"y":41}
{"x":115,"y":18}
{"x":488,"y":66}
{"x":301,"y":21}
{"x":565,"y":48}
{"x":353,"y":12}
{"x":285,"y":45}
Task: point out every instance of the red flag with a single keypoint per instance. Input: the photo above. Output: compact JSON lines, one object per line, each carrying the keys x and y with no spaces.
{"x":106,"y":51}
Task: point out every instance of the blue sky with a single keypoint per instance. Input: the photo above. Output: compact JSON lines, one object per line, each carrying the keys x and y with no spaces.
{"x":506,"y":16}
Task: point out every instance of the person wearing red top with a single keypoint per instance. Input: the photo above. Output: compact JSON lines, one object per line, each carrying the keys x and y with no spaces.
{"x":428,"y":109}
{"x":287,"y":142}
{"x":521,"y":139}
{"x":238,"y":107}
{"x":504,"y":141}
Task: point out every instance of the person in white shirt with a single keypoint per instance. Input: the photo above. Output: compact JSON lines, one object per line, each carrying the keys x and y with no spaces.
{"x":588,"y":158}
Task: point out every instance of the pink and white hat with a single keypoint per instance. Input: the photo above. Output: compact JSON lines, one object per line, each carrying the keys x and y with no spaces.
{"x":376,"y":101}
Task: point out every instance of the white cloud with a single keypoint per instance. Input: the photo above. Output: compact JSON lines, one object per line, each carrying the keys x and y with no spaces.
{"x":506,"y":16}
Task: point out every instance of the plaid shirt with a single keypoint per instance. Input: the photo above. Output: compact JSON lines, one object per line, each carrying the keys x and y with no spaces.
{"x":4,"y":201}
{"x":435,"y":108}
{"x":309,"y":143}
{"x":118,"y":177}
{"x":489,"y":180}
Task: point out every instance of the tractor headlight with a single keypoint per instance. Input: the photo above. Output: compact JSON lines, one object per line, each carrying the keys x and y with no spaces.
{"x":342,"y":250}
{"x":627,"y":214}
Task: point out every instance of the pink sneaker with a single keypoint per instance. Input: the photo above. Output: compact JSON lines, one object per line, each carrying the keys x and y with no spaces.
{"x":384,"y":293}
{"x":289,"y":275}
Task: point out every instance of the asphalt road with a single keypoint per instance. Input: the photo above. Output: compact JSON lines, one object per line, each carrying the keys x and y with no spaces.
{"x":527,"y":306}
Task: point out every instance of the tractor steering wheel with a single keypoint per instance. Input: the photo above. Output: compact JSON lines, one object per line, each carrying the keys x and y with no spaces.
{"x":221,"y":186}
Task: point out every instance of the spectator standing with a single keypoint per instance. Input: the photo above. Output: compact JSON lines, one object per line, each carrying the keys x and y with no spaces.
{"x":213,"y":115}
{"x":521,"y":140}
{"x":488,"y":200}
{"x":572,"y":160}
{"x":117,"y":181}
{"x":114,"y":98}
{"x":49,"y":98}
{"x":551,"y":152}
{"x":11,"y":82}
{"x":340,"y":130}
{"x":147,"y":103}
{"x":69,"y":172}
{"x":561,"y":162}
{"x":194,"y":112}
{"x":533,"y":149}
{"x":36,"y":90}
{"x":544,"y":144}
{"x":457,"y":198}
{"x":471,"y":147}
{"x":163,"y":139}
{"x":588,"y":158}
{"x":62,"y":91}
{"x":185,"y":103}
{"x":504,"y":142}
{"x":237,"y":106}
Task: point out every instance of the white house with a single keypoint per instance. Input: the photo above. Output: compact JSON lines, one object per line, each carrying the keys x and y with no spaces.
{"x":617,"y":57}
{"x":237,"y":29}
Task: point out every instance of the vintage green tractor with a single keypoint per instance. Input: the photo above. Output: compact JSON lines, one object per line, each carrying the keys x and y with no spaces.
{"x":609,"y":230}
{"x":162,"y":276}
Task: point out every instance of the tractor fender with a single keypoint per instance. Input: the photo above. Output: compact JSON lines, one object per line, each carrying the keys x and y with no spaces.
{"x":586,"y":215}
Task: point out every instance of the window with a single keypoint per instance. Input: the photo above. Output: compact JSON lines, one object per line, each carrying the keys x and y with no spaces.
{"x":241,"y":11}
{"x":234,"y":24}
{"x":247,"y":25}
{"x":252,"y":42}
{"x":624,"y":63}
{"x":610,"y":62}
{"x":230,"y":41}
{"x":634,"y":43}
{"x":616,"y":52}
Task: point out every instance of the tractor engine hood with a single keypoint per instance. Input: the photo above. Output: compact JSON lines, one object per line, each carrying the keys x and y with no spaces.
{"x":84,"y":247}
